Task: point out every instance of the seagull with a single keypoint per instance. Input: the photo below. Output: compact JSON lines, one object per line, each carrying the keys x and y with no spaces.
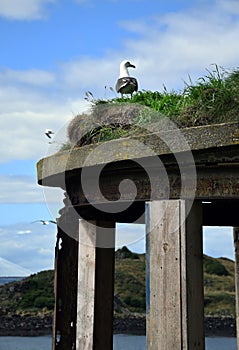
{"x":44,"y":222}
{"x":126,"y":84}
{"x":48,"y":133}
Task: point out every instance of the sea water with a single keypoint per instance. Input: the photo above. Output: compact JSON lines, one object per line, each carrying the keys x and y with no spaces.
{"x":131,"y":342}
{"x":121,"y":342}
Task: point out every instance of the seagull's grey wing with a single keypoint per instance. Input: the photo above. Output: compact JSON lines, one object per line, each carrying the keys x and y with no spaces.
{"x":47,"y":135}
{"x":121,"y":83}
{"x":118,"y":85}
{"x":126,"y":85}
{"x":135,"y":83}
{"x":53,"y":222}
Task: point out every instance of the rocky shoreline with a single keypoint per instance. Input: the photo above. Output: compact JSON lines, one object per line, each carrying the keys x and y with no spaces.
{"x":17,"y":325}
{"x":130,"y":325}
{"x":223,"y":326}
{"x":36,"y":326}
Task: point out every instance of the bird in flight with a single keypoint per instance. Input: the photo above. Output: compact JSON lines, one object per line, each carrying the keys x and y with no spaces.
{"x":48,"y":133}
{"x":44,"y":222}
{"x":125,"y":83}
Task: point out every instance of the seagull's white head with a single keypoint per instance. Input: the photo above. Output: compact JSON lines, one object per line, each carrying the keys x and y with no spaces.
{"x":124,"y":65}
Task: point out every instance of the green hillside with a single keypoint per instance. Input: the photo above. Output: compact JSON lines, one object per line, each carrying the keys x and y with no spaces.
{"x":34,"y":295}
{"x":130,"y":280}
{"x":219,"y":286}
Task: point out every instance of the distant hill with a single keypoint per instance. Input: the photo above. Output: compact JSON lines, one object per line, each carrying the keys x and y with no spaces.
{"x":34,"y":294}
{"x":9,"y":269}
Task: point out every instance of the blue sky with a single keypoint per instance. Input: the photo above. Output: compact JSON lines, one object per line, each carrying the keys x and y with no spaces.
{"x":52,"y":52}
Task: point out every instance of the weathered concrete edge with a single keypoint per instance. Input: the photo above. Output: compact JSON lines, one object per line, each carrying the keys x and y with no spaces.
{"x":158,"y":143}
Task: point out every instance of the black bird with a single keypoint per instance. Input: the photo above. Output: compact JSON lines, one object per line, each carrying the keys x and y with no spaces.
{"x":44,"y":222}
{"x":48,"y":133}
{"x":126,"y":84}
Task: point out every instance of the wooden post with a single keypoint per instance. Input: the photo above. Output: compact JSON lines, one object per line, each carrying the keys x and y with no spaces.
{"x":95,"y":299}
{"x":65,"y":282}
{"x":236,"y":245}
{"x":174,"y":257}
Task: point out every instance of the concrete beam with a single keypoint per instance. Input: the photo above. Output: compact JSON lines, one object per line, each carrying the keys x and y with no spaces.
{"x":205,"y":137}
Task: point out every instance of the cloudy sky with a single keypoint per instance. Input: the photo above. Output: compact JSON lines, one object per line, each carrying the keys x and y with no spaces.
{"x":52,"y":52}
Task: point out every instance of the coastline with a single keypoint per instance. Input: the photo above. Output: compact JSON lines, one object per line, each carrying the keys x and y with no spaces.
{"x":23,"y":326}
{"x":223,"y":326}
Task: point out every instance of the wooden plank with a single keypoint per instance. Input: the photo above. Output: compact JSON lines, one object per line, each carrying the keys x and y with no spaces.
{"x":95,"y":286}
{"x":86,"y":286}
{"x":192,"y":276}
{"x":174,"y":265}
{"x":54,"y":328}
{"x":104,"y":293}
{"x":164,"y":307}
{"x":236,"y":246}
{"x":66,"y":268}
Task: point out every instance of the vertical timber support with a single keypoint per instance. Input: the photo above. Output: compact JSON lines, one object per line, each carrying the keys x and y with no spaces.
{"x":95,"y":299}
{"x":65,"y":282}
{"x":236,"y":246}
{"x":174,"y":265}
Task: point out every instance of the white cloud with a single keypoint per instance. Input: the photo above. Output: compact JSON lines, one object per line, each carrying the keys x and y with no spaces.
{"x":166,"y":49}
{"x":90,"y":74}
{"x":218,"y":242}
{"x":24,"y":189}
{"x":24,"y":232}
{"x":45,"y":251}
{"x":131,"y":235}
{"x":229,"y":6}
{"x":33,"y":77}
{"x":33,"y":251}
{"x":19,"y":189}
{"x":23,"y":9}
{"x":176,"y":44}
{"x":25,"y":114}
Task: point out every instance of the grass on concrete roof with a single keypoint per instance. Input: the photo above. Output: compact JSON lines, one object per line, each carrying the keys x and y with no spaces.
{"x":212,"y":99}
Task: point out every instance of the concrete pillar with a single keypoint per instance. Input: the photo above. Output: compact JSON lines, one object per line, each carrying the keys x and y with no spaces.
{"x":236,"y":246}
{"x":174,"y":265}
{"x":95,"y":293}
